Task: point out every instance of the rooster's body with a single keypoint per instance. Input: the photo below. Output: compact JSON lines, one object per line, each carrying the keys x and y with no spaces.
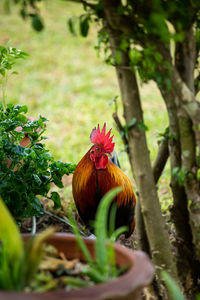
{"x":95,"y":175}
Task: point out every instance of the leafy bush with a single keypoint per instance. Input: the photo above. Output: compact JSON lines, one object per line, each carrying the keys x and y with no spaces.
{"x":26,"y":172}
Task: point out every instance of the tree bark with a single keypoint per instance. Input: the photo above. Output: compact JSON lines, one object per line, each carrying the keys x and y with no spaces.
{"x":161,"y":159}
{"x":157,"y":236}
{"x":179,"y":213}
{"x":189,"y":120}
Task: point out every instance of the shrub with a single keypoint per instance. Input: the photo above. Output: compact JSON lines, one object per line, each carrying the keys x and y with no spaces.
{"x":26,"y":172}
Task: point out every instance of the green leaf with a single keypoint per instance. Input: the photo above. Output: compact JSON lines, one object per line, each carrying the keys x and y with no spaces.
{"x":113,"y":212}
{"x":21,"y":118}
{"x":37,"y":22}
{"x":101,"y":229}
{"x":70,"y":23}
{"x":37,"y":179}
{"x":84,"y":26}
{"x":198,"y":174}
{"x":3,"y":72}
{"x":22,"y":53}
{"x":172,"y":286}
{"x":142,"y":126}
{"x":58,"y":182}
{"x":2,"y":48}
{"x":94,"y":275}
{"x":181,"y":176}
{"x":131,"y":123}
{"x":75,"y":282}
{"x":118,"y":232}
{"x":124,"y":45}
{"x":23,"y":108}
{"x":9,"y":234}
{"x":198,"y":297}
{"x":80,"y":241}
{"x":118,"y":57}
{"x":175,"y":171}
{"x":135,"y":56}
{"x":11,"y":250}
{"x":56,"y":199}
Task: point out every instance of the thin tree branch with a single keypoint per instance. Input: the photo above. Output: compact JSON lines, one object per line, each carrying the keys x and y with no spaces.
{"x":120,"y":130}
{"x":161,"y":160}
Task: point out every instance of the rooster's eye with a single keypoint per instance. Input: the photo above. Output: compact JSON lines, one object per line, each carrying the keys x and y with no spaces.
{"x":97,"y":149}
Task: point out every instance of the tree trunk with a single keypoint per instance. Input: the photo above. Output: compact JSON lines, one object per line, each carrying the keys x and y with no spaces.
{"x":189,"y":120}
{"x":179,"y":212}
{"x":139,"y":153}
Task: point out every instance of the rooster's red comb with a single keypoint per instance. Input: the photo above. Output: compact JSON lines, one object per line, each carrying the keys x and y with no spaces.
{"x":100,"y":137}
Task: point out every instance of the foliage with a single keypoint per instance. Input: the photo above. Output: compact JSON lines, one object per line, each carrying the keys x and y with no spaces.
{"x":18,"y":263}
{"x":29,"y":9}
{"x":8,"y":57}
{"x":27,"y":172}
{"x":104,"y":268}
{"x":132,"y":123}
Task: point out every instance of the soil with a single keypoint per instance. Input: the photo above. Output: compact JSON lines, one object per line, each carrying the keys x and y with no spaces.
{"x":51,"y":220}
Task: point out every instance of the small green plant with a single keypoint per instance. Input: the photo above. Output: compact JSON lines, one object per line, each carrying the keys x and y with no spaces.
{"x":18,"y":264}
{"x":26,"y":172}
{"x":8,"y":57}
{"x":104,"y":268}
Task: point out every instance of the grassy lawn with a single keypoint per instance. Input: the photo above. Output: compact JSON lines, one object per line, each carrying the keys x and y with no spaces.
{"x":66,"y":81}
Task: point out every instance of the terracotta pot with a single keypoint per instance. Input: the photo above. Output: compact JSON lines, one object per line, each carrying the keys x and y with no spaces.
{"x":127,"y":287}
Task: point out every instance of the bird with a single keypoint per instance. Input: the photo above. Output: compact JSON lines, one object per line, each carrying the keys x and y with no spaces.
{"x":95,"y":175}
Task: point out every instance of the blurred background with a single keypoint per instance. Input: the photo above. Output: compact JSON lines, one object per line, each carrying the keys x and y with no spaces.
{"x":67,"y":81}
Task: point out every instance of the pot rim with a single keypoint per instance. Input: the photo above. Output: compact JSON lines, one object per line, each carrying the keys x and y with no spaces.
{"x":139,"y":274}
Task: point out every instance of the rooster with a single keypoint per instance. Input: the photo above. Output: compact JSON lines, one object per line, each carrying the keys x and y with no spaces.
{"x":95,"y":175}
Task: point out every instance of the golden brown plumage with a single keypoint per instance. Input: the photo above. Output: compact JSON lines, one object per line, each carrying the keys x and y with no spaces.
{"x":93,"y":178}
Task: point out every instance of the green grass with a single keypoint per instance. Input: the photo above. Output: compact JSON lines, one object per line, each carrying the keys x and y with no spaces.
{"x":66,"y":81}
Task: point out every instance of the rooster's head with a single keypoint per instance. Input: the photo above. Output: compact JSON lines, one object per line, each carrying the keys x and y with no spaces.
{"x":103,"y":146}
